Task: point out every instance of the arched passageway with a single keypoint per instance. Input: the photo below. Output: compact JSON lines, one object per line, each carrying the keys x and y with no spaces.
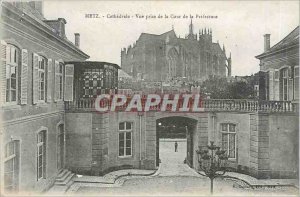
{"x":174,"y":140}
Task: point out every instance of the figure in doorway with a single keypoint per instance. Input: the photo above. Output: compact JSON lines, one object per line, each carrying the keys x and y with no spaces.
{"x":176,"y":146}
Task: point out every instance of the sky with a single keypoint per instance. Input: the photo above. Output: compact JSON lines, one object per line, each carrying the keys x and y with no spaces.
{"x":240,"y":25}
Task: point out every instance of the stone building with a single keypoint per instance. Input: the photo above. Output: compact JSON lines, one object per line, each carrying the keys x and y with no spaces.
{"x":51,"y":130}
{"x":279,"y":66}
{"x":35,"y":84}
{"x":166,"y":56}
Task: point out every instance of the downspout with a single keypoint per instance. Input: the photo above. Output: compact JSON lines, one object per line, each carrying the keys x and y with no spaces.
{"x":140,"y":139}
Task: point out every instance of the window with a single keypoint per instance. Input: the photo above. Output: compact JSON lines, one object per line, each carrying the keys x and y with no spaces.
{"x":125,"y":139}
{"x":296,"y":82}
{"x":41,"y":78}
{"x":276,"y":75}
{"x":41,"y":155}
{"x":228,"y":133}
{"x":12,"y":73}
{"x":11,"y":166}
{"x":92,"y":83}
{"x":60,"y":81}
{"x":285,"y":81}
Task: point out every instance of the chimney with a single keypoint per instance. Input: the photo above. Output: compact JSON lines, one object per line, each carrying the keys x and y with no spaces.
{"x":77,"y":39}
{"x":38,"y":6}
{"x":58,"y":26}
{"x":267,"y":42}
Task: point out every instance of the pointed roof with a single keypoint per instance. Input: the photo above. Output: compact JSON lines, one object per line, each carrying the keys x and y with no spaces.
{"x":123,"y":74}
{"x":292,"y":39}
{"x":216,"y":48}
{"x":163,"y":36}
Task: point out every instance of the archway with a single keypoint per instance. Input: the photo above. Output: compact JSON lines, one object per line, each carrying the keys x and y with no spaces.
{"x":171,"y":130}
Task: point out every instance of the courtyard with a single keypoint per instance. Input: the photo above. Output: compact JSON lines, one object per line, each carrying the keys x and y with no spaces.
{"x":175,"y":178}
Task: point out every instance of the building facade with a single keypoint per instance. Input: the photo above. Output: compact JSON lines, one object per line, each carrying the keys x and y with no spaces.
{"x":35,"y":84}
{"x":166,"y":56}
{"x":279,"y":66}
{"x":49,"y":121}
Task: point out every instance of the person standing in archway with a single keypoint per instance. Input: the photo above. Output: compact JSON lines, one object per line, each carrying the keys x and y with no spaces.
{"x":176,"y":146}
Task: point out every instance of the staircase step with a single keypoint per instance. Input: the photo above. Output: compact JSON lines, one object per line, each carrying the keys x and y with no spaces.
{"x":66,"y":180}
{"x":62,"y":173}
{"x":66,"y":174}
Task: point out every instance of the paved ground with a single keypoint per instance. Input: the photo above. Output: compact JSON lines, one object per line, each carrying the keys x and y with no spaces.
{"x":171,"y":161}
{"x":174,"y":178}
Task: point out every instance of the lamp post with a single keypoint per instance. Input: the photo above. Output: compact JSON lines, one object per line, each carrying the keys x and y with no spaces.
{"x":212,"y":161}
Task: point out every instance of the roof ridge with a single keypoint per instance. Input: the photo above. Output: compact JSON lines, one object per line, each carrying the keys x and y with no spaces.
{"x":284,"y":38}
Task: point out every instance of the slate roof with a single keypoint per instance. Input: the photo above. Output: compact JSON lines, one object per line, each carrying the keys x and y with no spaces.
{"x":217,"y":49}
{"x":290,"y":40}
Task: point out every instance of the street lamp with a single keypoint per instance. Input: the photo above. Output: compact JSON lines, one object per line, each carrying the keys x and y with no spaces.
{"x":212,"y":161}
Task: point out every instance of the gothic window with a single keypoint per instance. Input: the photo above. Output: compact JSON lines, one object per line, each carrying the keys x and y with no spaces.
{"x":41,"y":155}
{"x":228,"y":136}
{"x":12,"y":65}
{"x":125,"y":139}
{"x":11,"y":166}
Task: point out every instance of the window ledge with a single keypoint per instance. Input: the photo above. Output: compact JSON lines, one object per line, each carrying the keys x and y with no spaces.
{"x":7,"y":107}
{"x":41,"y":104}
{"x":125,"y":157}
{"x":232,"y":159}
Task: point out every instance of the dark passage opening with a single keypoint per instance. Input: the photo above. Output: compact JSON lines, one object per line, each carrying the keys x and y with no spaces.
{"x":171,"y":130}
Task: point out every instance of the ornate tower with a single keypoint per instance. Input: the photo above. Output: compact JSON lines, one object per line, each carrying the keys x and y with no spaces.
{"x":191,"y":34}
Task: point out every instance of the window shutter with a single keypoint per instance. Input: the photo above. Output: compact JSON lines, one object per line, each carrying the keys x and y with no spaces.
{"x":49,"y":80}
{"x":3,"y":73}
{"x":24,"y":77}
{"x":69,"y":76}
{"x":35,"y":78}
{"x":290,"y":72}
{"x":271,"y":85}
{"x":56,"y":88}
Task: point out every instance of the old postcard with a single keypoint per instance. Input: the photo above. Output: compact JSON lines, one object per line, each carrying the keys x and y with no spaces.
{"x":149,"y":98}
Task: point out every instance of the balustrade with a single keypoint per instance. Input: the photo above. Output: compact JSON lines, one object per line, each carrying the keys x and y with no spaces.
{"x":242,"y":105}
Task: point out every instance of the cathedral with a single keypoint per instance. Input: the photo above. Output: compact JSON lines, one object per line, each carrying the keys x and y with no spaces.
{"x":165,"y":57}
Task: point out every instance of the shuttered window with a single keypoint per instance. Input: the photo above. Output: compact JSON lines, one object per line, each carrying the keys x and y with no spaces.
{"x":58,"y":81}
{"x":35,"y":78}
{"x":11,"y":75}
{"x":271,"y":85}
{"x":42,"y":78}
{"x":276,"y":85}
{"x":69,"y":76}
{"x":49,"y":80}
{"x":296,"y":82}
{"x":3,"y":73}
{"x":285,"y":81}
{"x":24,"y":77}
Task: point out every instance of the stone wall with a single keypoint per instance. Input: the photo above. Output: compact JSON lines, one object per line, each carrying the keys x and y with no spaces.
{"x":266,"y":143}
{"x":25,"y":131}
